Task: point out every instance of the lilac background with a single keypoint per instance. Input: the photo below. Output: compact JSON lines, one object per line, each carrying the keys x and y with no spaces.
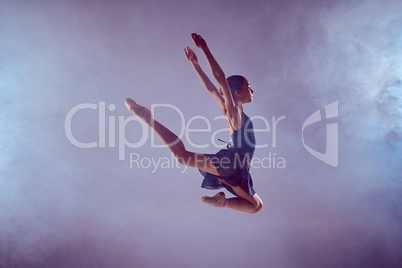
{"x":62,"y":206}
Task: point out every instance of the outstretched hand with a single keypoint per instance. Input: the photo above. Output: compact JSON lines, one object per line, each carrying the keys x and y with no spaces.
{"x":199,"y":42}
{"x":190,"y":55}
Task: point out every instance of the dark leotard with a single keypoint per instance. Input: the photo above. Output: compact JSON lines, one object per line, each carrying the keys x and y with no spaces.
{"x":233,"y":163}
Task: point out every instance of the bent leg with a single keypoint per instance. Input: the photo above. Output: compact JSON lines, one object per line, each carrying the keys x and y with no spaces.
{"x":176,"y":146}
{"x":219,"y":200}
{"x":244,"y":202}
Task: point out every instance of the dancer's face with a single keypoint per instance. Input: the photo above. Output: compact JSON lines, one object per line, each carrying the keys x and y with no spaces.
{"x":245,"y":95}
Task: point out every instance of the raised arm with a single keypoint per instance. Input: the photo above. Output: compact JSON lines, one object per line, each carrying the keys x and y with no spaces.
{"x":219,"y":75}
{"x":209,"y":86}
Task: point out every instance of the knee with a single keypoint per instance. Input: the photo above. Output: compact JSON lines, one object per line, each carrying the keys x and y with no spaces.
{"x":258,"y":207}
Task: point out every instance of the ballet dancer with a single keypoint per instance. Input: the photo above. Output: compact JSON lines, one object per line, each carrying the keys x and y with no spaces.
{"x":228,"y":168}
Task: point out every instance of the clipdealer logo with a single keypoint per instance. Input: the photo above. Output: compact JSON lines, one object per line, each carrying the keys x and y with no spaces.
{"x":272,"y":160}
{"x":330,"y":156}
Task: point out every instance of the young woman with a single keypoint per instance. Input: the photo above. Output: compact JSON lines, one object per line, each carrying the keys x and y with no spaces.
{"x":229,"y":168}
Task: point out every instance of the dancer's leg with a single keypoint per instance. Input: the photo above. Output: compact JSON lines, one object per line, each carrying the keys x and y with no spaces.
{"x":174,"y":143}
{"x":244,"y":202}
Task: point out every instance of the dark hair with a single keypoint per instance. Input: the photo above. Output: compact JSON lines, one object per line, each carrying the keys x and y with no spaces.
{"x":236,"y":82}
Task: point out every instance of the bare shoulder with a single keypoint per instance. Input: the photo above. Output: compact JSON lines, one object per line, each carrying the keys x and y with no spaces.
{"x":236,"y":118}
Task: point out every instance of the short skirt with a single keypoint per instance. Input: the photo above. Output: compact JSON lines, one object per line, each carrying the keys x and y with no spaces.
{"x":233,"y":167}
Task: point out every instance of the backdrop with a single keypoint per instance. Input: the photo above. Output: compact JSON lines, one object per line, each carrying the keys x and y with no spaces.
{"x":83,"y":184}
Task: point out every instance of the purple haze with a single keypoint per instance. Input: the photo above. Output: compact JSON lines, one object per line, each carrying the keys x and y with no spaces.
{"x":64,"y":206}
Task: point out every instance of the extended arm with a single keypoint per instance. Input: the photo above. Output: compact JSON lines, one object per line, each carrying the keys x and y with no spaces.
{"x":219,"y":76}
{"x":209,"y":86}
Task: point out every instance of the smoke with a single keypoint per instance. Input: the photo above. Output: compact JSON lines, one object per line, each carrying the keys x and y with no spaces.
{"x":64,"y":206}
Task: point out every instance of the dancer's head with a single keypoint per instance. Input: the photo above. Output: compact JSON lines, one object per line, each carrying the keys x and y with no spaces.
{"x":240,"y":88}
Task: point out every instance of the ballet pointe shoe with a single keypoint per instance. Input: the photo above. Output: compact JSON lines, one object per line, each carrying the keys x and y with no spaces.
{"x":142,"y":112}
{"x":219,"y":200}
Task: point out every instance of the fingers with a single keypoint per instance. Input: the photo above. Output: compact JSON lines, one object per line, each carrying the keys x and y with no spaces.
{"x":199,"y":42}
{"x":195,"y":37}
{"x":189,"y":53}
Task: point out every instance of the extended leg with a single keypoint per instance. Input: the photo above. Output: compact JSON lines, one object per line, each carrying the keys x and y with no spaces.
{"x":174,"y":143}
